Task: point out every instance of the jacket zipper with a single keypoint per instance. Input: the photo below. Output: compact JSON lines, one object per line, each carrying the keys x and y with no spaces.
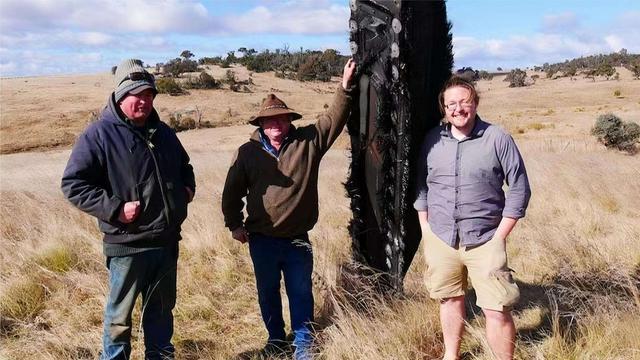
{"x":150,"y":146}
{"x":165,"y":209}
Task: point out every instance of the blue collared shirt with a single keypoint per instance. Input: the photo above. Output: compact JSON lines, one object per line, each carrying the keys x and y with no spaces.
{"x":460,"y":183}
{"x":266,"y":144}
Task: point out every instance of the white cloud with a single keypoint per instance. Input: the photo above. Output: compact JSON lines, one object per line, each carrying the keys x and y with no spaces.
{"x":149,"y":16}
{"x":560,"y":22}
{"x":146,"y":16}
{"x":523,"y":51}
{"x":630,"y":19}
{"x":36,"y":63}
{"x":158,"y":41}
{"x":614,"y":41}
{"x":562,"y":38}
{"x":94,"y":38}
{"x":296,"y":18}
{"x":90,"y":41}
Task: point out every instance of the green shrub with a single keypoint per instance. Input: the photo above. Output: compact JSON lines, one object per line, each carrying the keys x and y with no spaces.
{"x":611,"y":131}
{"x":516,"y":78}
{"x":216,"y":60}
{"x":207,"y":81}
{"x":180,"y":121}
{"x":169,"y":86}
{"x":606,"y":70}
{"x":635,"y":69}
{"x":571,"y":71}
{"x":617,"y":93}
{"x":259,"y":63}
{"x":178,"y":66}
{"x":230,"y":77}
{"x":485,"y":75}
{"x":188,"y":123}
{"x":203,"y":81}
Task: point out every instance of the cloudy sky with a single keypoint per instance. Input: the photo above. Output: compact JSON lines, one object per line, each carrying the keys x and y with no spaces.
{"x":41,"y":37}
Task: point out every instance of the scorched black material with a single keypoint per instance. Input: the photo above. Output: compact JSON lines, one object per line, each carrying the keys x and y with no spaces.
{"x":403,"y":51}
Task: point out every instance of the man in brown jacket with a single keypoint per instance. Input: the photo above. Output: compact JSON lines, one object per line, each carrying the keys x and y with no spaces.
{"x":277,"y":172}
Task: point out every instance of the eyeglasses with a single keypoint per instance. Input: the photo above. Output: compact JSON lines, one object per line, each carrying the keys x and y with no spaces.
{"x":452,"y":106}
{"x":137,"y":76}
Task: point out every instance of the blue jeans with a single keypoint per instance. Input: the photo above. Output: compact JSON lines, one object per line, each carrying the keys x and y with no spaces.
{"x":292,"y":257}
{"x":151,"y":273}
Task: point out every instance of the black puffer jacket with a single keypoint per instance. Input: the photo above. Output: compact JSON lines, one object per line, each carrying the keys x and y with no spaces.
{"x":113,"y":163}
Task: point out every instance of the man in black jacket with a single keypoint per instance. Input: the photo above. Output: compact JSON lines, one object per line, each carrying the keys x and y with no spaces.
{"x":129,"y":170}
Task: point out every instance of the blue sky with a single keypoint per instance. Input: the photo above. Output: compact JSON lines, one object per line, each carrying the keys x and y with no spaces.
{"x":48,"y":37}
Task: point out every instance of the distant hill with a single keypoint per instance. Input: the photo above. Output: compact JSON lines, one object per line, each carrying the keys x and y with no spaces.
{"x":589,"y":66}
{"x":594,"y":65}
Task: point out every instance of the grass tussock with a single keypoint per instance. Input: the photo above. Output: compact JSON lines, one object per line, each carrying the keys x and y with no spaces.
{"x":58,"y":259}
{"x":23,"y":299}
{"x":539,"y":126}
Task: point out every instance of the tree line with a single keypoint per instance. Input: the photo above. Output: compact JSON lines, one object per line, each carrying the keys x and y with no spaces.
{"x":303,"y":65}
{"x":590,"y":67}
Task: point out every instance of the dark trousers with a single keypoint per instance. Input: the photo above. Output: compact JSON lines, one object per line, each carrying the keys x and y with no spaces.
{"x":293,"y":258}
{"x":152,"y":274}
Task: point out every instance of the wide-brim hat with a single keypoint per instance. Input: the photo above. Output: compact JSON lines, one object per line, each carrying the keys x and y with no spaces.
{"x":272,"y":106}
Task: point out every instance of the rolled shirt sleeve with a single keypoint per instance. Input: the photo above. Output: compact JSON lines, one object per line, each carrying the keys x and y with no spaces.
{"x":515,"y":173}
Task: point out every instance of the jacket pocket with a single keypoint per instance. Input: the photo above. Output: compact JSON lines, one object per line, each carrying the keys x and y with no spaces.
{"x":177,"y":201}
{"x":151,"y":214}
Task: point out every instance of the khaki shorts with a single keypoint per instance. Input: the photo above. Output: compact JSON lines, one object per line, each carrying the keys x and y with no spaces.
{"x":486,"y":266}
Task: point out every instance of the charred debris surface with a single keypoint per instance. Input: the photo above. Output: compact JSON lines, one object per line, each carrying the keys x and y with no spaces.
{"x":404,"y":53}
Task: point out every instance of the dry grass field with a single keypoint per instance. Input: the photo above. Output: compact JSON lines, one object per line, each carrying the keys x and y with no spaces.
{"x":576,"y":255}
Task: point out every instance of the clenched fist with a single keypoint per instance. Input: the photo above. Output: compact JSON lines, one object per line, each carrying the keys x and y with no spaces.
{"x":129,"y":212}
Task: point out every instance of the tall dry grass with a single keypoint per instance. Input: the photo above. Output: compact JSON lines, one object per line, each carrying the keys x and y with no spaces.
{"x":576,"y":257}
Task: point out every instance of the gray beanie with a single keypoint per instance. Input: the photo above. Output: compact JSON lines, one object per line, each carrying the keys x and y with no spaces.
{"x":131,"y":77}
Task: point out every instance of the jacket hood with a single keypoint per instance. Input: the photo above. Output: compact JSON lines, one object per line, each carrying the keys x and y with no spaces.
{"x":113,"y":114}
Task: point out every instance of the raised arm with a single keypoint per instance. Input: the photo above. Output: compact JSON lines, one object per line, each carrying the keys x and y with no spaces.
{"x":331,"y":123}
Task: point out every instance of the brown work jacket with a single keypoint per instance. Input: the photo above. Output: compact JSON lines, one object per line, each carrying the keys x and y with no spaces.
{"x":282,"y":192}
